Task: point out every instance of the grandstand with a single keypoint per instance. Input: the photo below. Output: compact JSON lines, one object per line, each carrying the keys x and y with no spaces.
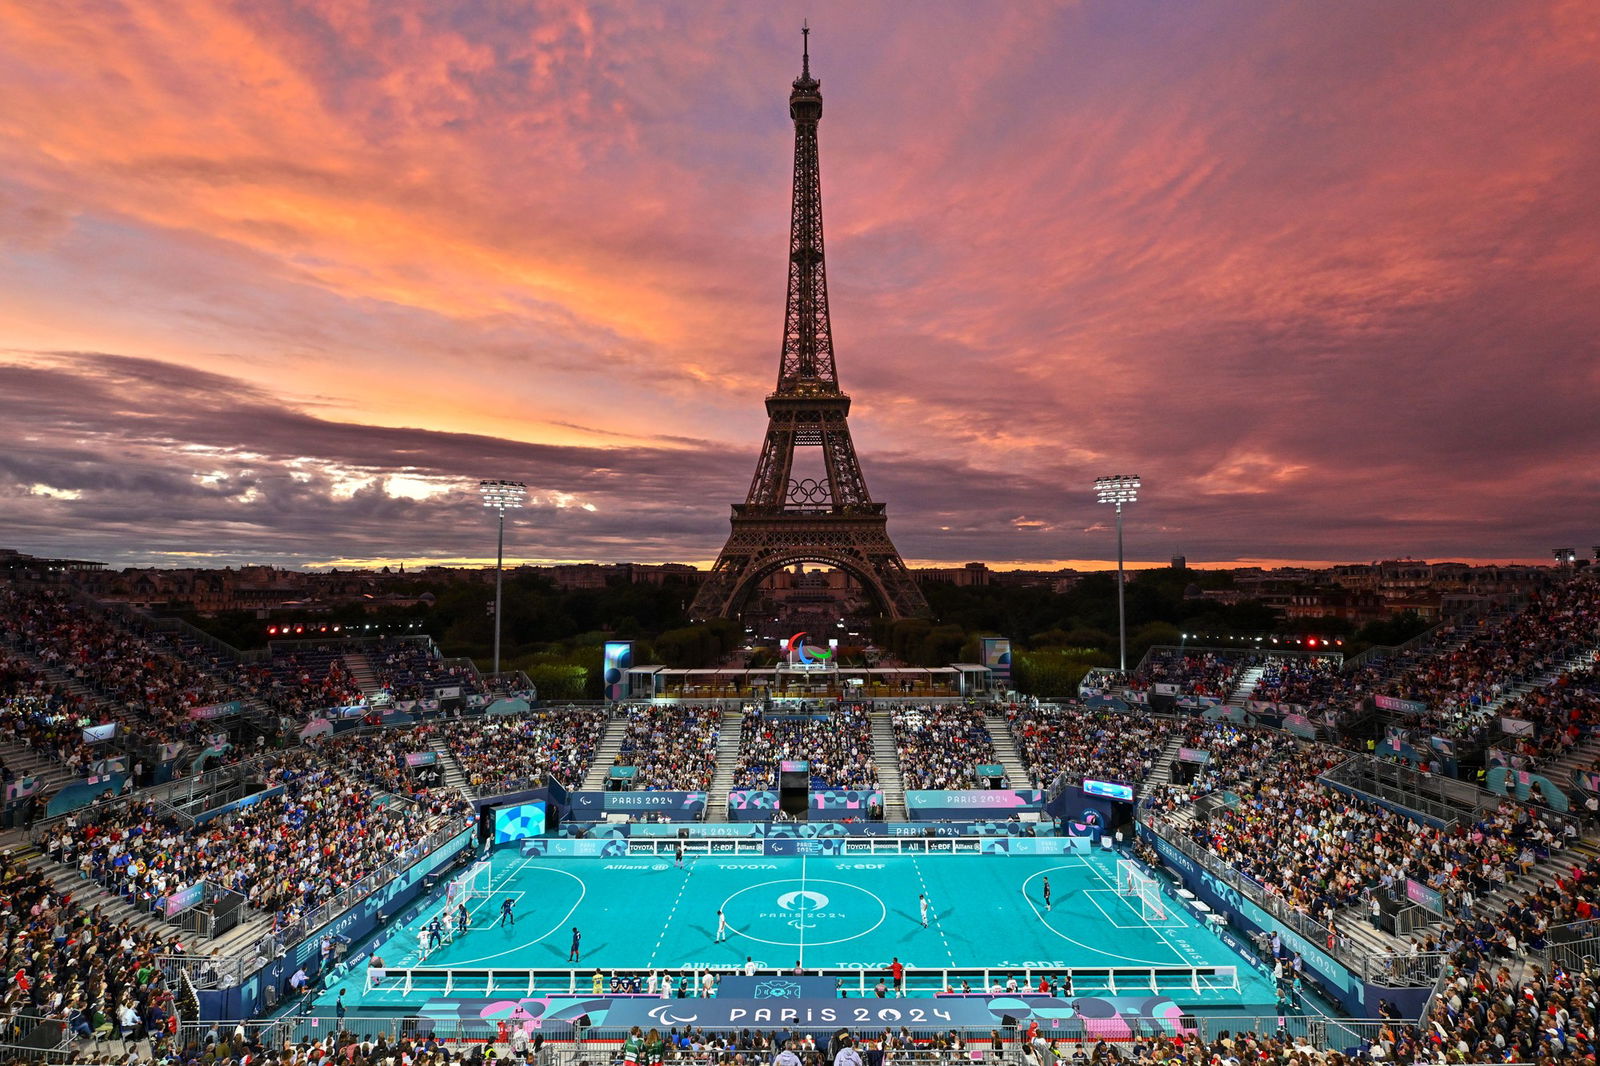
{"x":1321,"y":853}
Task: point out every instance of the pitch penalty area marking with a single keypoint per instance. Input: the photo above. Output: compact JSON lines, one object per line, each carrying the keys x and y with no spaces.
{"x":583,"y":891}
{"x":1045,"y":921}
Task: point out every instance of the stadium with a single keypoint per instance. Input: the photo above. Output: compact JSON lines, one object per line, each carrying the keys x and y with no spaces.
{"x":822,"y":814}
{"x":355,"y":840}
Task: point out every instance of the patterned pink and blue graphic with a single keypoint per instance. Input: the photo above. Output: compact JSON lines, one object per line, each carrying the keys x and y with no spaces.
{"x":618,"y":659}
{"x":1083,"y":1018}
{"x":845,"y":799}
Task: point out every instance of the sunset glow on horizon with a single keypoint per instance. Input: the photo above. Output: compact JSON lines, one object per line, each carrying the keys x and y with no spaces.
{"x":279,"y":282}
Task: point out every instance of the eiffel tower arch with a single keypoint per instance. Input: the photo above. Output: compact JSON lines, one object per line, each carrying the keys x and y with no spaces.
{"x":789,"y":517}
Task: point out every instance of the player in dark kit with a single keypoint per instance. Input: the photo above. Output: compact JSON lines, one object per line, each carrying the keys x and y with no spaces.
{"x":506,"y":917}
{"x":1047,"y":893}
{"x":572,"y":956}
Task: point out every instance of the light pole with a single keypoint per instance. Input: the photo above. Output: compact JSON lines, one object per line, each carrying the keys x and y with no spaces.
{"x":502,"y":496}
{"x":1119,"y":489}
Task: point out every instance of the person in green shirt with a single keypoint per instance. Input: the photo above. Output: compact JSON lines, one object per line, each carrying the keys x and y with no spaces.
{"x":655,"y":1049}
{"x":632,"y":1046}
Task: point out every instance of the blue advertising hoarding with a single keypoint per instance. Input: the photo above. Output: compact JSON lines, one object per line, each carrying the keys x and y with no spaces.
{"x":778,"y":1005}
{"x":675,"y":806}
{"x":936,"y":804}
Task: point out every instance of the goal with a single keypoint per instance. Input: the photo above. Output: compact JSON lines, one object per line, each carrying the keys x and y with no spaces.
{"x":1141,"y":891}
{"x":474,"y":884}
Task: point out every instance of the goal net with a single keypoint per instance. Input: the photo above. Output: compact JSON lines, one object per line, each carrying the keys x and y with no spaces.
{"x":1141,"y":890}
{"x":474,"y":884}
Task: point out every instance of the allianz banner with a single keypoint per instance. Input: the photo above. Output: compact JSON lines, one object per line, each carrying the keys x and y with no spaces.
{"x":940,"y":804}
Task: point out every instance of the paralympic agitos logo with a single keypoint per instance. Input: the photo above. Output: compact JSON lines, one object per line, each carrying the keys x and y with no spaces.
{"x":797,"y":648}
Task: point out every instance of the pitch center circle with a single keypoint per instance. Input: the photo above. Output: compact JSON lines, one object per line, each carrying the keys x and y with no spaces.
{"x":789,"y":912}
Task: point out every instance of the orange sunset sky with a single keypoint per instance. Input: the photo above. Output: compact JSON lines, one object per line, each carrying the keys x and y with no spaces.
{"x":280,"y":281}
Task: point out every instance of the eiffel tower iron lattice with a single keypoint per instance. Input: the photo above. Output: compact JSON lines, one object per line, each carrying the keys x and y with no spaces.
{"x":785,"y":519}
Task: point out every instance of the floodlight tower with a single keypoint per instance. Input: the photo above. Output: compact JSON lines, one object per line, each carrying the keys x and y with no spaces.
{"x":1565,"y":557}
{"x":502,"y":496}
{"x":1119,"y":489}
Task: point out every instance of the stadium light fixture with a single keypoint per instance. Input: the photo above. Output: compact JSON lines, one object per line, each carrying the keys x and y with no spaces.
{"x":1118,"y":489}
{"x":503,"y":496}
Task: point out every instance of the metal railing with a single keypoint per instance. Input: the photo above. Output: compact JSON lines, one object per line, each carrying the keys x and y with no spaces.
{"x":1442,"y":798}
{"x":1571,"y":954}
{"x":858,"y":982}
{"x":1390,"y":650}
{"x":35,"y":1037}
{"x":200,"y":636}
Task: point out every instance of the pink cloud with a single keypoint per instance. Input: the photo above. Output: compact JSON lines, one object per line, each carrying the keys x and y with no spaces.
{"x":1289,"y":264}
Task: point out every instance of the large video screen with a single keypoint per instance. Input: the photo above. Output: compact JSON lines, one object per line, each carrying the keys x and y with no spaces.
{"x":1109,"y":789}
{"x":518,"y":821}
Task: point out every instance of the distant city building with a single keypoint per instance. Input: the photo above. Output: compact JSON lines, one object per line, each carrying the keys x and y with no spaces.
{"x":22,"y":566}
{"x":970,"y":576}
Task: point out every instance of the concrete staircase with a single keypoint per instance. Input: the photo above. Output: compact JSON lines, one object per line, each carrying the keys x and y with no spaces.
{"x":1581,"y":756}
{"x":365,"y":675}
{"x":1247,"y":685}
{"x":1005,"y":749}
{"x":606,"y":750}
{"x":91,"y":697}
{"x":88,"y":894}
{"x":1582,"y":660}
{"x":1355,"y":924}
{"x":454,"y":776}
{"x":27,"y":762}
{"x":730,"y":735}
{"x":886,"y":756}
{"x":1161,"y":772}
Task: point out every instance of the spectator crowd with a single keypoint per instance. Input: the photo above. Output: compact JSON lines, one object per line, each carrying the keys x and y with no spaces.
{"x":671,"y":748}
{"x":939,"y":746}
{"x":838,"y":746}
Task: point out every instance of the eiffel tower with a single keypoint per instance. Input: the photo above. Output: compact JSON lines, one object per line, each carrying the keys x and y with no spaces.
{"x":831,"y":519}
